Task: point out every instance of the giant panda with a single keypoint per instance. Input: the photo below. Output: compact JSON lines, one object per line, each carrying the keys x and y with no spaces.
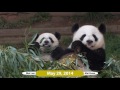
{"x":88,"y":40}
{"x":47,"y":43}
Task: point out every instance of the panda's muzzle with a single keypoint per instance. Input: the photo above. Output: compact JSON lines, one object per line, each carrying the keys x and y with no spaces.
{"x":89,"y":42}
{"x":46,"y":43}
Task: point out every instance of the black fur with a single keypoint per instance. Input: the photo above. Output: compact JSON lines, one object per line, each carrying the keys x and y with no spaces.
{"x":96,"y":39}
{"x":51,"y":39}
{"x":82,"y":37}
{"x":96,"y":58}
{"x":57,"y":35}
{"x":102,"y":28}
{"x":67,"y":51}
{"x":75,"y":27}
{"x":36,"y":37}
{"x":57,"y":53}
{"x":36,"y":44}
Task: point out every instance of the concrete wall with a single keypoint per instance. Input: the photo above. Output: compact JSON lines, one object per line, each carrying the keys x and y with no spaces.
{"x":17,"y":36}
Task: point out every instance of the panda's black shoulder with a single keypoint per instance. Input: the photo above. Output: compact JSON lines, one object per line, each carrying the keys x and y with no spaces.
{"x":57,"y":53}
{"x":67,"y":51}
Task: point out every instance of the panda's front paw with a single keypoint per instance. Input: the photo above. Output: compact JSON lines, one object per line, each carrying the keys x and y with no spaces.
{"x":76,"y":46}
{"x":36,"y":44}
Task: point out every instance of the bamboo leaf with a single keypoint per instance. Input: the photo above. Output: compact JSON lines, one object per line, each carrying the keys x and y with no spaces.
{"x":33,"y":39}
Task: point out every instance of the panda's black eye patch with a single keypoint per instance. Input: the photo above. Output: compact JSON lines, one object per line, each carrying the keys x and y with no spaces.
{"x":51,"y":39}
{"x":82,"y":37}
{"x":96,"y":39}
{"x":41,"y":40}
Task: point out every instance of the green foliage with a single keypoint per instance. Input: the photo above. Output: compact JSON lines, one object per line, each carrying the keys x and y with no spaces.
{"x":111,"y":69}
{"x":93,"y":17}
{"x":84,"y":60}
{"x":112,"y":66}
{"x":65,"y":41}
{"x":13,"y":63}
{"x":112,"y":46}
{"x":98,"y":17}
{"x":39,"y":17}
{"x":76,"y":18}
{"x":2,"y":22}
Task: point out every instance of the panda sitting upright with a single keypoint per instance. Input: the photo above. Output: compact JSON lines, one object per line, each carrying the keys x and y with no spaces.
{"x":89,"y":40}
{"x":46,"y":43}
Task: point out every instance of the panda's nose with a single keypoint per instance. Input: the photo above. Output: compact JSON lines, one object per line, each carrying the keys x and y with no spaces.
{"x":89,"y":41}
{"x":46,"y":42}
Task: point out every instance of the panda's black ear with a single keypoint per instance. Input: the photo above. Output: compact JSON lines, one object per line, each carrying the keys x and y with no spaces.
{"x":102,"y":28}
{"x":57,"y":35}
{"x":75,"y":27}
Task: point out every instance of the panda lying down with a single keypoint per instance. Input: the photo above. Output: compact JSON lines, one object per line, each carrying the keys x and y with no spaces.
{"x":87,"y":39}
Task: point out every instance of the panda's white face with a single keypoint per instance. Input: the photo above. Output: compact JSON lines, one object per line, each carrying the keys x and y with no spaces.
{"x":47,"y":41}
{"x":90,"y":36}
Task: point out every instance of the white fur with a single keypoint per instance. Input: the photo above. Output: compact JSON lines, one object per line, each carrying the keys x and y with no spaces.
{"x":89,"y":30}
{"x":46,"y":36}
{"x":45,"y":55}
